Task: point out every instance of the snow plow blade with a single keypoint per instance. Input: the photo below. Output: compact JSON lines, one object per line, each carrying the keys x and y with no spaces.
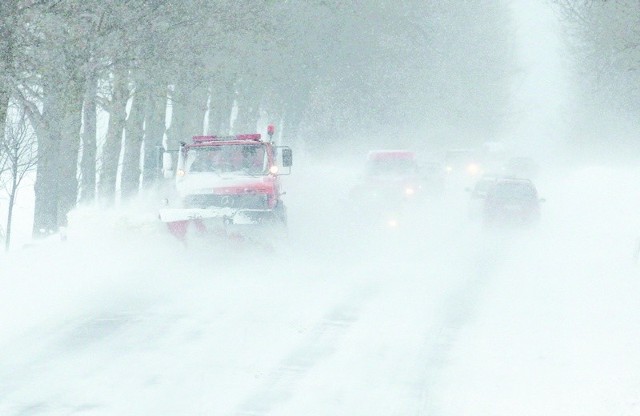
{"x":232,"y":224}
{"x":170,"y":215}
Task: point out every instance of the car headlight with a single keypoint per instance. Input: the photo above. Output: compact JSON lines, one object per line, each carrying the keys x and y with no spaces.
{"x":473,"y":168}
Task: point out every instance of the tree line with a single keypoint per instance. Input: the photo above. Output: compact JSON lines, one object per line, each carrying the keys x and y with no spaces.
{"x":325,"y":71}
{"x":603,"y":37}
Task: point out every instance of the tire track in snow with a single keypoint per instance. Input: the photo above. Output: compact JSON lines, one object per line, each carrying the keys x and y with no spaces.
{"x":320,"y":344}
{"x":455,"y":313}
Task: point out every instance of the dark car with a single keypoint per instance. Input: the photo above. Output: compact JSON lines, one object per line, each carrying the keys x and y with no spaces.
{"x":478,"y":195}
{"x":512,"y":201}
{"x":521,"y":167}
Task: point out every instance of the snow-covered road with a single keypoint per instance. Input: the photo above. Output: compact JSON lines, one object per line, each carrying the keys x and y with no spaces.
{"x":439,"y":319}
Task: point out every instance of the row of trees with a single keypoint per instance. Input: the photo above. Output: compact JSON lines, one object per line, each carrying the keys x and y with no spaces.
{"x":164,"y":70}
{"x":604,"y":38}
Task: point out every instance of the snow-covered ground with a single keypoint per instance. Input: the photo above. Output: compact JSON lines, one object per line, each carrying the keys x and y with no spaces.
{"x":437,"y":318}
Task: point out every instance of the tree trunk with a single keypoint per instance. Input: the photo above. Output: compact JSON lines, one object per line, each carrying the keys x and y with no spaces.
{"x":5,"y":95}
{"x":220,"y":106}
{"x":113,"y":143}
{"x":7,"y":39}
{"x":133,"y":143}
{"x":248,"y":116}
{"x":248,"y":110}
{"x":69,"y":149}
{"x":154,"y":120}
{"x":292,"y":120}
{"x":12,"y":201}
{"x":45,"y":219}
{"x":189,"y":106}
{"x":58,"y":132}
{"x":89,"y":146}
{"x":197,"y":110}
{"x":56,"y":187}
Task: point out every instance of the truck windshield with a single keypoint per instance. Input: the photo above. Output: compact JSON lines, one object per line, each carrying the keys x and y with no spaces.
{"x":244,"y":159}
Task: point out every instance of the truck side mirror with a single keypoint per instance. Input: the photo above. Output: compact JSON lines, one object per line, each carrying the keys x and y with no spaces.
{"x":167,"y":165}
{"x":287,"y":157}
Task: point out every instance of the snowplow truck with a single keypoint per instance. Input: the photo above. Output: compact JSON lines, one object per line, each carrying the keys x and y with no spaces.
{"x":226,"y":185}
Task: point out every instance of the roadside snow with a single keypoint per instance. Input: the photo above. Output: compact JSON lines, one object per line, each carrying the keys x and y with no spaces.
{"x":437,"y":318}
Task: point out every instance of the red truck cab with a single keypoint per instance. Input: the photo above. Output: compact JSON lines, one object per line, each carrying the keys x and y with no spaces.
{"x":233,"y":179}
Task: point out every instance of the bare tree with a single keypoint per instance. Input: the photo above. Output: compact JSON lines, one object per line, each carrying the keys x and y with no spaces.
{"x":603,"y":38}
{"x":19,"y":157}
